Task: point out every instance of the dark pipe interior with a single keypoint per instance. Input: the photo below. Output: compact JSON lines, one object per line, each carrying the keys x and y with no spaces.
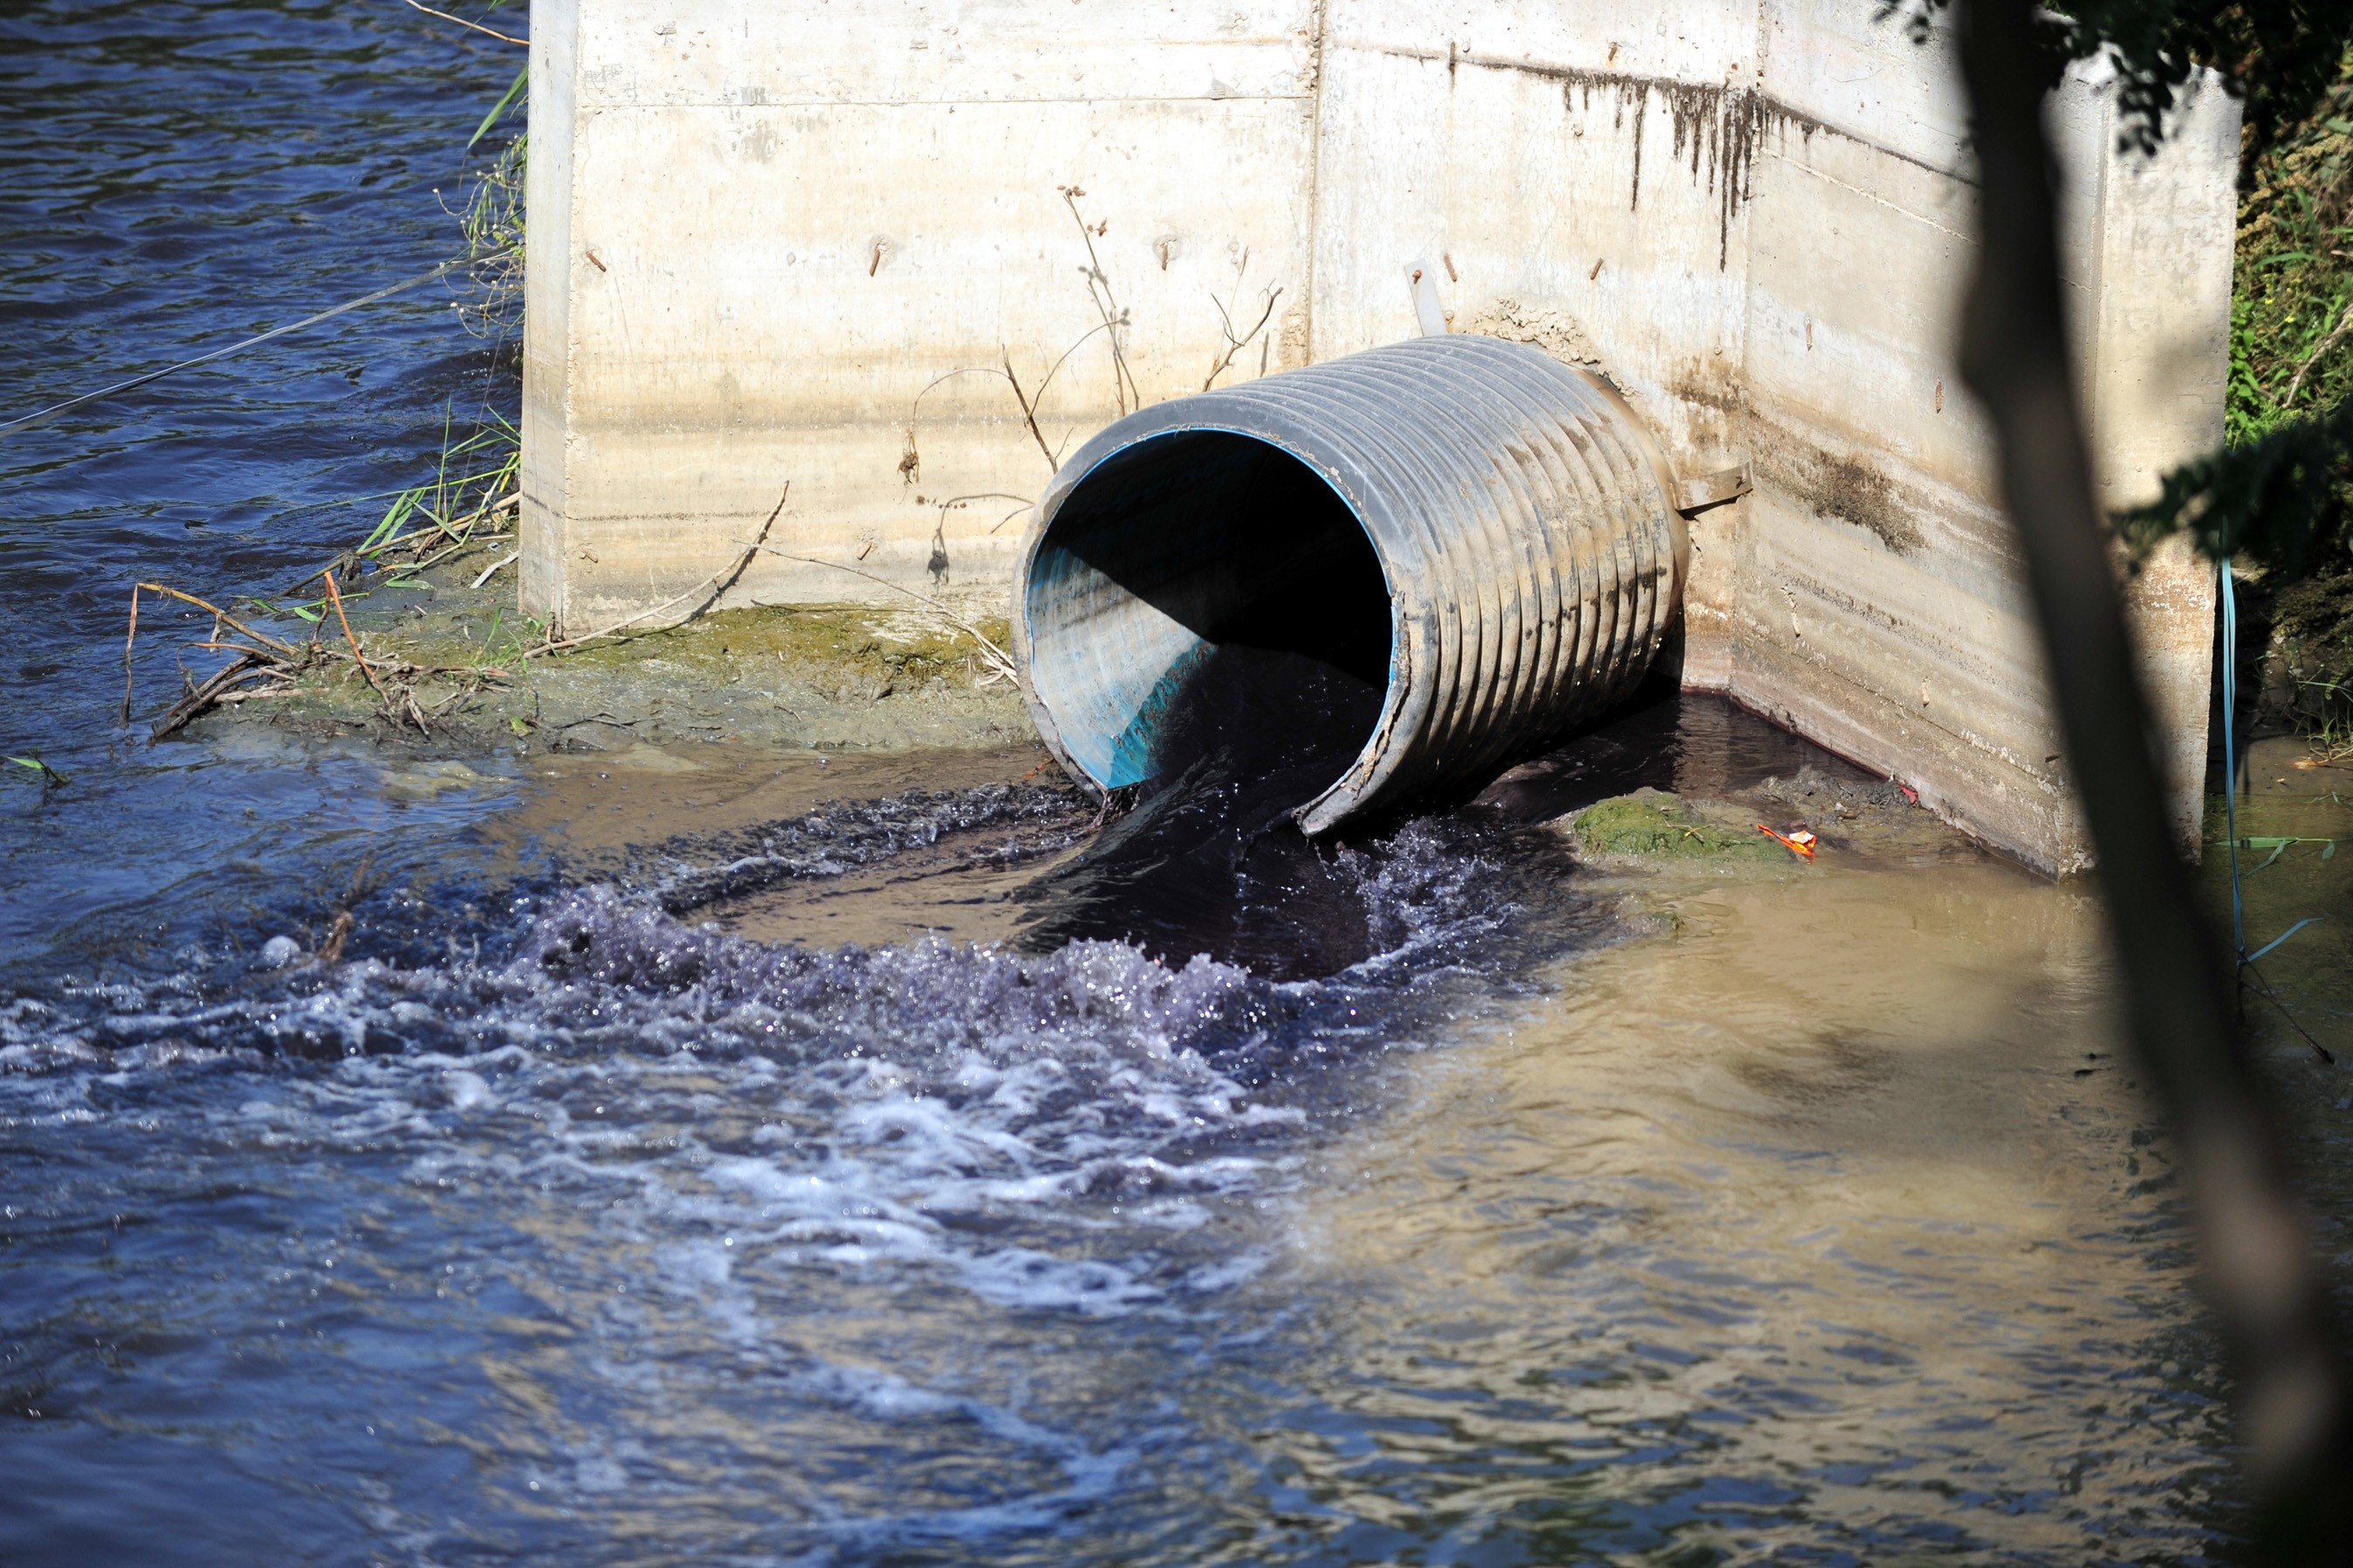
{"x":1239,"y":542}
{"x":1248,"y":548}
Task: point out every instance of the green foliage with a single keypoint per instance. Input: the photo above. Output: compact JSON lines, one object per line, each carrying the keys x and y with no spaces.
{"x":2278,"y":500}
{"x":513,"y":95}
{"x":467,"y":502}
{"x":2280,"y":55}
{"x":2279,"y":846}
{"x":490,"y":228}
{"x":2280,"y":493}
{"x":50,"y":778}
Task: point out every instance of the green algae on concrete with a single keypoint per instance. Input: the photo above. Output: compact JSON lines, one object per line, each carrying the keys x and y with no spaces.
{"x":1655,"y":824}
{"x":847,"y":677}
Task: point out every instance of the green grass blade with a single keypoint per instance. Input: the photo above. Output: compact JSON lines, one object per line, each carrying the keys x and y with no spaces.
{"x":393,"y":518}
{"x":522,"y":81}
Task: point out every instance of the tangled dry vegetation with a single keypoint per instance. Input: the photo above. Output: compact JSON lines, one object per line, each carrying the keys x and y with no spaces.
{"x":445,"y":663}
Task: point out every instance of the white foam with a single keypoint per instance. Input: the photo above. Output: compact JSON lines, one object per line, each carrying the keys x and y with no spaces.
{"x":467,"y":1090}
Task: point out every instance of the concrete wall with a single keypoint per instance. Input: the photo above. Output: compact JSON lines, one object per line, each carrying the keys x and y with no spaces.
{"x":1875,"y":600}
{"x":805,"y":240}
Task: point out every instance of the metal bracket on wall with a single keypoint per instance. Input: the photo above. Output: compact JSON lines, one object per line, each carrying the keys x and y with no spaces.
{"x":1421,"y":279}
{"x":1712,"y":489}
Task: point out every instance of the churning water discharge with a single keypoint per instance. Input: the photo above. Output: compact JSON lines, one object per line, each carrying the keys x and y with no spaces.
{"x":1431,"y":1198}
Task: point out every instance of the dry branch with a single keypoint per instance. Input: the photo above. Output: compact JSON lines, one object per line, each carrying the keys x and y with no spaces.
{"x":128,"y":637}
{"x":477,"y":26}
{"x":719,"y":581}
{"x":285,"y":650}
{"x":1028,"y":412}
{"x":2293,"y":1392}
{"x":357,"y":658}
{"x":1107,"y":305}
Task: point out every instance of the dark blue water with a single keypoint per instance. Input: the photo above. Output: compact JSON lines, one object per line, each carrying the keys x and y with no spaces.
{"x":181,"y":175}
{"x":1572,"y":1220}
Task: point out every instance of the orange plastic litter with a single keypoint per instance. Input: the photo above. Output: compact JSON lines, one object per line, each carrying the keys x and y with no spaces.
{"x":1800,"y":843}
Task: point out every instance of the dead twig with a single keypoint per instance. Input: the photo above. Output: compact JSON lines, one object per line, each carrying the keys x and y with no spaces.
{"x":249,"y":666}
{"x":1028,"y":412}
{"x":285,"y":650}
{"x":721,"y":581}
{"x":1236,"y":343}
{"x":1122,"y":798}
{"x":1027,"y":505}
{"x":358,"y":657}
{"x":1055,"y":456}
{"x":128,"y":637}
{"x":744,"y":560}
{"x":911,"y":461}
{"x":502,"y":38}
{"x":459,"y":548}
{"x":338,"y":931}
{"x":1107,"y":305}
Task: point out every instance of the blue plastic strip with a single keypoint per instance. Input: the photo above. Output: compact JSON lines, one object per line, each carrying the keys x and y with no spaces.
{"x":2279,"y":939}
{"x":2231,"y":762}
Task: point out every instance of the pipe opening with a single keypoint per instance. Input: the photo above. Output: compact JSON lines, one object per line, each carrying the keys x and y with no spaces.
{"x":1205,"y":598}
{"x":1409,"y":565}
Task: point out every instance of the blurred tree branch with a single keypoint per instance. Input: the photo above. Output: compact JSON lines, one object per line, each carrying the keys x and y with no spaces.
{"x":2292,"y":1390}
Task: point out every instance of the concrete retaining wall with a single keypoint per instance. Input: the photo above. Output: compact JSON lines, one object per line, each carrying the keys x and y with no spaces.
{"x":825,"y":241}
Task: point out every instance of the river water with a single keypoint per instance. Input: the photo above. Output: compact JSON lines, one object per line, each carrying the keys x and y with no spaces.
{"x":639,"y":1190}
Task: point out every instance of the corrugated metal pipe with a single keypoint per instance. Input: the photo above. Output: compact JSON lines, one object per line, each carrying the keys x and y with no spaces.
{"x":1490,"y":532}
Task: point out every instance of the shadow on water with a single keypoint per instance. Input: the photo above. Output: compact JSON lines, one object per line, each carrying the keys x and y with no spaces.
{"x":1694,"y":744}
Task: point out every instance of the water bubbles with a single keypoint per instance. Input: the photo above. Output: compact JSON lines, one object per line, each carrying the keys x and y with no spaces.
{"x":279,"y":951}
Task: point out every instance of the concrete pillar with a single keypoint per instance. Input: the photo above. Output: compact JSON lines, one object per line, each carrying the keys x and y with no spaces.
{"x":806,"y":241}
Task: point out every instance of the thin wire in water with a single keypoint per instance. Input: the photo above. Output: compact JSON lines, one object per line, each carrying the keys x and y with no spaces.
{"x":53,"y":410}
